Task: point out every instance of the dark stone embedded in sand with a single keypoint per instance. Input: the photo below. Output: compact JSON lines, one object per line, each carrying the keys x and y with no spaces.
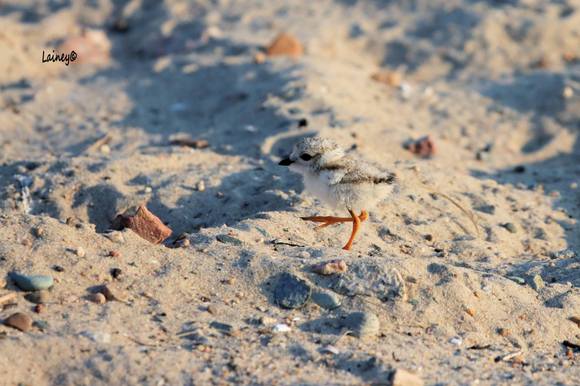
{"x":31,"y":282}
{"x":489,"y":209}
{"x":19,"y":321}
{"x":141,"y":221}
{"x":510,"y":227}
{"x":227,"y":239}
{"x":291,"y":291}
{"x":38,"y":297}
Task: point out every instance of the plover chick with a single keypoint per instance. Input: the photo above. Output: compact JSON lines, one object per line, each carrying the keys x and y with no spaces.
{"x":339,"y":180}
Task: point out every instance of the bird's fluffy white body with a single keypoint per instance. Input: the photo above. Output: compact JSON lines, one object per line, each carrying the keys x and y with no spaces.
{"x":338,"y":180}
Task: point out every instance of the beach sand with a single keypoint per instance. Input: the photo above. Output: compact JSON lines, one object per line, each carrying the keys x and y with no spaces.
{"x":494,"y":84}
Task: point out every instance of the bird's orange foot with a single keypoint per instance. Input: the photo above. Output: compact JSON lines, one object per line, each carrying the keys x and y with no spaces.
{"x":327,"y":220}
{"x":356,"y":221}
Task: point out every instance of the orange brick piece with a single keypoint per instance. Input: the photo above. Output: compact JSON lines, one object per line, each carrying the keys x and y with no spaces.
{"x":285,"y":45}
{"x":141,"y":221}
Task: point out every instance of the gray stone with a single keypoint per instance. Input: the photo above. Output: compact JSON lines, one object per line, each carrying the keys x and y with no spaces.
{"x":291,"y":291}
{"x":489,"y":209}
{"x":510,"y":227}
{"x":38,"y":297}
{"x":362,"y":324}
{"x":326,"y":300}
{"x":367,"y":278}
{"x":31,"y":282}
{"x":227,"y":239}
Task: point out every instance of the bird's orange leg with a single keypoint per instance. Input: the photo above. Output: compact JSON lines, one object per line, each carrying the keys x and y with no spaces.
{"x":331,"y":220}
{"x":327,"y":220}
{"x":356,"y":220}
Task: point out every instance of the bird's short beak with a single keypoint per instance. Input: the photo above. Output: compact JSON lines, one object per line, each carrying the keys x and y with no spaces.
{"x":286,"y":162}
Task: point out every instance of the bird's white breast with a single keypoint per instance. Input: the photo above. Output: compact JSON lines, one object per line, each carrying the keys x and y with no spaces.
{"x":320,"y":186}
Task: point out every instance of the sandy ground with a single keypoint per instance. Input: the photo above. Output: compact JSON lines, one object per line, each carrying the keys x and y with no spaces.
{"x":496,"y":84}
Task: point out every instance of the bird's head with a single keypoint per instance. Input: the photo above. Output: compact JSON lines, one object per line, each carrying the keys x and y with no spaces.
{"x":311,"y":153}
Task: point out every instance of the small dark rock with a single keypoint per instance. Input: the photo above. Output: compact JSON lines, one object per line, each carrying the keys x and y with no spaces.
{"x":38,"y":297}
{"x":58,"y":268}
{"x":223,"y":327}
{"x":116,"y":273}
{"x":520,"y":169}
{"x":227,"y":239}
{"x":510,"y":227}
{"x":291,"y":291}
{"x":489,"y":209}
{"x":303,"y":122}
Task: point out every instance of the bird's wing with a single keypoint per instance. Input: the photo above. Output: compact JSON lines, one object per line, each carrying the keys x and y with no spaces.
{"x":367,"y":173}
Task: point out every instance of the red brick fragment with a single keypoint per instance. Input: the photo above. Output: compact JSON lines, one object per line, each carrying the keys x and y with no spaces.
{"x":285,"y":45}
{"x":141,"y":221}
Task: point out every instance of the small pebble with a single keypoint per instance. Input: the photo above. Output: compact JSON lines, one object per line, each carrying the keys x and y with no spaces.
{"x":114,"y":253}
{"x":281,"y":327}
{"x":568,"y":92}
{"x":537,"y":283}
{"x":510,"y":227}
{"x":31,"y":282}
{"x":329,"y":349}
{"x":200,"y":186}
{"x":80,"y":252}
{"x":362,"y":324}
{"x":489,"y":209}
{"x":19,"y":321}
{"x":97,"y":298}
{"x":38,"y":297}
{"x":291,"y":291}
{"x":40,"y":308}
{"x":40,"y":324}
{"x":58,"y":268}
{"x":227,"y":239}
{"x":285,"y":45}
{"x":116,"y":273}
{"x":326,"y":300}
{"x":470,"y":311}
{"x":503,"y":332}
{"x":267,"y":321}
{"x":330,"y":267}
{"x":456,"y":340}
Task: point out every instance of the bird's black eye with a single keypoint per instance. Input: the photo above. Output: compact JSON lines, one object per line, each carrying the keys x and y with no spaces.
{"x":305,"y":157}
